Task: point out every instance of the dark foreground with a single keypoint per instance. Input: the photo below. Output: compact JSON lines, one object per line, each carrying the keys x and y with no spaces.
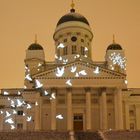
{"x":55,"y":135}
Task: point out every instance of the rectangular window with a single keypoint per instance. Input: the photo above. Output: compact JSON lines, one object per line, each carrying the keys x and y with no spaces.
{"x":20,"y":112}
{"x":65,"y":50}
{"x":73,"y":49}
{"x":82,"y":50}
{"x":19,"y":126}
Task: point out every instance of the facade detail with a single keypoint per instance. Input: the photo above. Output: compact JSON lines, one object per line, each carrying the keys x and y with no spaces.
{"x":73,"y":92}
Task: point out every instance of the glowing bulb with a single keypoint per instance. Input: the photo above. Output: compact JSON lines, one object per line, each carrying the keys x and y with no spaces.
{"x":19,"y":93}
{"x":45,"y":93}
{"x":7,"y":114}
{"x":29,"y":106}
{"x":19,"y":103}
{"x":12,"y":127}
{"x":28,"y":77}
{"x":53,"y":96}
{"x":36,"y":103}
{"x":14,"y":112}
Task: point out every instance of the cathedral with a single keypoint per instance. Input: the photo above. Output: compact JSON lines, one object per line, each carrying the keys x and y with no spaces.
{"x":73,"y":92}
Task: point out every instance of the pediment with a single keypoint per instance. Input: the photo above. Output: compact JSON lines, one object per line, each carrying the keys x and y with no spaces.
{"x":79,"y":70}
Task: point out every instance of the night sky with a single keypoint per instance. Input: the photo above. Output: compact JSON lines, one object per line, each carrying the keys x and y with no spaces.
{"x":20,"y":20}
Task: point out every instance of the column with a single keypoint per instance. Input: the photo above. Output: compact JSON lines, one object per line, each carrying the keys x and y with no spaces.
{"x":53,"y":110}
{"x":37,"y":116}
{"x":88,"y":109}
{"x":69,"y":110}
{"x":1,"y":122}
{"x":24,"y":119}
{"x":118,"y":109}
{"x":103,"y":110}
{"x":127,"y":119}
{"x":137,"y":117}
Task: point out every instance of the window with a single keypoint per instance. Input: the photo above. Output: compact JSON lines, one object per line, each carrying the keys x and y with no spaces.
{"x":58,"y":52}
{"x":82,"y":40}
{"x":20,"y":112}
{"x":73,"y":49}
{"x":65,"y":50}
{"x":132,"y":126}
{"x":74,"y":39}
{"x":19,"y":126}
{"x":65,"y":40}
{"x":131,"y":112}
{"x":82,"y":50}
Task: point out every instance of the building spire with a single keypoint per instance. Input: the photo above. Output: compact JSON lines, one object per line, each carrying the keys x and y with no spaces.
{"x":35,"y":38}
{"x":114,"y":39}
{"x":72,"y":6}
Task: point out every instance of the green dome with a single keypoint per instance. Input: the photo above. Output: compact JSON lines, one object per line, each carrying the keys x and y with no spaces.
{"x":114,"y":46}
{"x":35,"y":46}
{"x":72,"y":16}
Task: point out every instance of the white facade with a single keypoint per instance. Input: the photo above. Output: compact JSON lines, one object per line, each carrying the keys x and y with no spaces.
{"x":73,"y":92}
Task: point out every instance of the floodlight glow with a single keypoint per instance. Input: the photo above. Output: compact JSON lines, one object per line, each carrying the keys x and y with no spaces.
{"x":86,"y":49}
{"x":9,"y":99}
{"x":60,"y":58}
{"x":19,"y":93}
{"x":1,"y":112}
{"x":39,"y":64}
{"x":14,"y":112}
{"x":36,"y":103}
{"x":77,"y":74}
{"x":19,"y":103}
{"x":126,"y":82}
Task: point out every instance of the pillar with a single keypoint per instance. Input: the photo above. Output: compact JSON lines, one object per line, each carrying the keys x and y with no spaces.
{"x":1,"y":122}
{"x":53,"y":111}
{"x":69,"y":110}
{"x":118,"y":110}
{"x":88,"y":109}
{"x":103,"y":110}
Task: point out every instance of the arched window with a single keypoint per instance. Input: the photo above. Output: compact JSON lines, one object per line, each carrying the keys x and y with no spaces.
{"x":65,"y":50}
{"x":82,"y":50}
{"x":73,"y":49}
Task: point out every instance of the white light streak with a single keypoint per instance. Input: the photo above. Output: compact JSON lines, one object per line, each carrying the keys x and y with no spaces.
{"x":14,"y":112}
{"x":12,"y":127}
{"x":77,"y":74}
{"x":1,"y":112}
{"x":29,"y":106}
{"x":10,"y":121}
{"x":38,"y":84}
{"x":19,"y":103}
{"x":73,"y":69}
{"x":96,"y":71}
{"x":28,"y":77}
{"x":60,"y":71}
{"x":60,"y":46}
{"x":46,"y":93}
{"x":60,"y":117}
{"x":29,"y":119}
{"x":19,"y":93}
{"x":77,"y":56}
{"x":36,"y":103}
{"x":68,"y":82}
{"x":6,"y":93}
{"x":83,"y":72}
{"x":7,"y":114}
{"x":118,"y":59}
{"x":53,"y":96}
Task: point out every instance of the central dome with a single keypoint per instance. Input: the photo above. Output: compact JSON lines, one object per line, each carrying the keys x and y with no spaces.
{"x":72,"y":16}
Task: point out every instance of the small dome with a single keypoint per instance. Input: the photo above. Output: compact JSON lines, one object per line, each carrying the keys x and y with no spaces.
{"x":35,"y":46}
{"x":72,"y":16}
{"x":114,"y":46}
